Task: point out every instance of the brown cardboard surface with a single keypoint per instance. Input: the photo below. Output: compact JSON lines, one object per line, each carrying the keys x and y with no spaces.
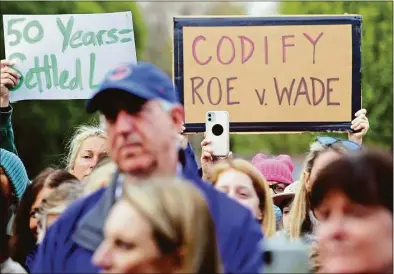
{"x":271,"y":67}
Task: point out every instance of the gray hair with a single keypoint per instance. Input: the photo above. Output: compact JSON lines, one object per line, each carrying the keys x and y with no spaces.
{"x":60,"y":197}
{"x":57,"y":202}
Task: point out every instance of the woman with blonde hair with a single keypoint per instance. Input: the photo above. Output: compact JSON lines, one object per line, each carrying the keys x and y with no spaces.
{"x":86,"y":146}
{"x":244,"y":183}
{"x":322,"y":152}
{"x":173,"y":231}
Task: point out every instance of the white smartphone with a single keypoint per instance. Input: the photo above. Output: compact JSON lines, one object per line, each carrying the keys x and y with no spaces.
{"x":217,"y":128}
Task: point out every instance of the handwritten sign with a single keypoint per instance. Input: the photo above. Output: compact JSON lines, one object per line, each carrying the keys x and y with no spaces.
{"x":271,"y":74}
{"x":66,"y":56}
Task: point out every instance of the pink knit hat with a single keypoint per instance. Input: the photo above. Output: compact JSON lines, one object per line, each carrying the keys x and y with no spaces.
{"x":278,"y":169}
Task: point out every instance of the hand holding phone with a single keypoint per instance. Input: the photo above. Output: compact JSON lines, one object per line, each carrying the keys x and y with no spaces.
{"x":217,"y":131}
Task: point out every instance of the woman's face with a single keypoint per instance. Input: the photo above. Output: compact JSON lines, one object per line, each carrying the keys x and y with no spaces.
{"x":33,"y":220}
{"x":286,"y":212}
{"x":126,"y":250}
{"x":90,"y":151}
{"x":239,"y":186}
{"x":321,"y":162}
{"x":354,"y":238}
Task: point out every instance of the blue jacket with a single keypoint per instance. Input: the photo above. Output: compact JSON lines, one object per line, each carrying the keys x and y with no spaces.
{"x":30,"y":259}
{"x":69,"y":243}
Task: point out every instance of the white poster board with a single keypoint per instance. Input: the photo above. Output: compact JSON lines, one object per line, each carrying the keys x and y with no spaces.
{"x":66,"y":56}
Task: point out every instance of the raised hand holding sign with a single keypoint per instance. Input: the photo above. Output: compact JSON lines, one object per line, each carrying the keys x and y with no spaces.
{"x":9,"y":79}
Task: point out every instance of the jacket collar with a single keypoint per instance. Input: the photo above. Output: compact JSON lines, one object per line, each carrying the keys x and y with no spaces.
{"x":89,"y":231}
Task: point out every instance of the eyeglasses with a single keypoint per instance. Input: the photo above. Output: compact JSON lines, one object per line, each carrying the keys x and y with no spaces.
{"x":329,"y":141}
{"x":277,"y":188}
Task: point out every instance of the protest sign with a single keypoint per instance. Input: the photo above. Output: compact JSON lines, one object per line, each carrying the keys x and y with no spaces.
{"x":66,"y":56}
{"x":287,"y":73}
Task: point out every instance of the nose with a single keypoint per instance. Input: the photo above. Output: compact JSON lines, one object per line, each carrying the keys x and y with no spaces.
{"x":93,"y":162}
{"x":102,"y":256}
{"x":124,"y":122}
{"x":335,"y":227}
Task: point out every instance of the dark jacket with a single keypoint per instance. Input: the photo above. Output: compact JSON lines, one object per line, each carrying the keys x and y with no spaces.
{"x":30,"y":259}
{"x":69,"y":243}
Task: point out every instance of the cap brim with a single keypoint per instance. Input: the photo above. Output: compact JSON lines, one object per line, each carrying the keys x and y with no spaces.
{"x":281,"y":197}
{"x":101,"y":96}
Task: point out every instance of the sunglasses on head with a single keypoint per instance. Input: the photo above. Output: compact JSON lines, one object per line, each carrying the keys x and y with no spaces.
{"x":329,"y":141}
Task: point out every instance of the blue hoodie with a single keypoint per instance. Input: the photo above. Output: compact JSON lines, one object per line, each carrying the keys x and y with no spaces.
{"x":70,"y":242}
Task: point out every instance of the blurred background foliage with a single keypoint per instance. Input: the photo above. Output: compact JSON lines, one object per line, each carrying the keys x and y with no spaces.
{"x":42,"y":128}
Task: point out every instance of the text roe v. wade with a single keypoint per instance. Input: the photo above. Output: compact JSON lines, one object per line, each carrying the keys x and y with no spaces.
{"x":216,"y":90}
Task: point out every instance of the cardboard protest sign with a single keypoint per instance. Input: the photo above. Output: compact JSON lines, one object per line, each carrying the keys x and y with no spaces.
{"x":66,"y":56}
{"x":288,"y":73}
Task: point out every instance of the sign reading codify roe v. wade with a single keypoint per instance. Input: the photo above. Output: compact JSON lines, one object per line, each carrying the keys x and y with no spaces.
{"x":66,"y":56}
{"x":285,"y":73}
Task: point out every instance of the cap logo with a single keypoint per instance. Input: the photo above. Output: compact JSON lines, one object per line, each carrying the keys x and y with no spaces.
{"x":120,"y":73}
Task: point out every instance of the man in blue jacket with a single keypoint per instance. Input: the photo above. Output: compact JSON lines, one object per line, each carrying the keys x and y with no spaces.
{"x":143,"y":117}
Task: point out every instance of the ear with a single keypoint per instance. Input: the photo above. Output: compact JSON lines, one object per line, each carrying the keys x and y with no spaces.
{"x":177,"y":116}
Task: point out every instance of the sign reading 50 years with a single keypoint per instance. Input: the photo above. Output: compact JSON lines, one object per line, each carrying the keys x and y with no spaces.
{"x":66,"y":56}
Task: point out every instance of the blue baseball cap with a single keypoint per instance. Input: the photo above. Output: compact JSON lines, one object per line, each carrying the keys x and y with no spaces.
{"x":143,"y":80}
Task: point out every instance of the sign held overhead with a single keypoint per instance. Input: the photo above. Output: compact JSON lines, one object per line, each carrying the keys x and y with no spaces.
{"x":66,"y":56}
{"x":288,"y":73}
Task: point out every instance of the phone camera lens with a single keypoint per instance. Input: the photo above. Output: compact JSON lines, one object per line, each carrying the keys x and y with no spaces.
{"x":267,"y":257}
{"x":217,"y":130}
{"x":209,"y":119}
{"x":209,"y":114}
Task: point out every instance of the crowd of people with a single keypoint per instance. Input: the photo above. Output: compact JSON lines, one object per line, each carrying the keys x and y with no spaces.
{"x":131,"y":197}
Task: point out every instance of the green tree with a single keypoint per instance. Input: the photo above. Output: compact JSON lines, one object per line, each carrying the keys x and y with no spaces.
{"x":377,"y":56}
{"x":377,"y":77}
{"x":226,"y":8}
{"x":42,"y":128}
